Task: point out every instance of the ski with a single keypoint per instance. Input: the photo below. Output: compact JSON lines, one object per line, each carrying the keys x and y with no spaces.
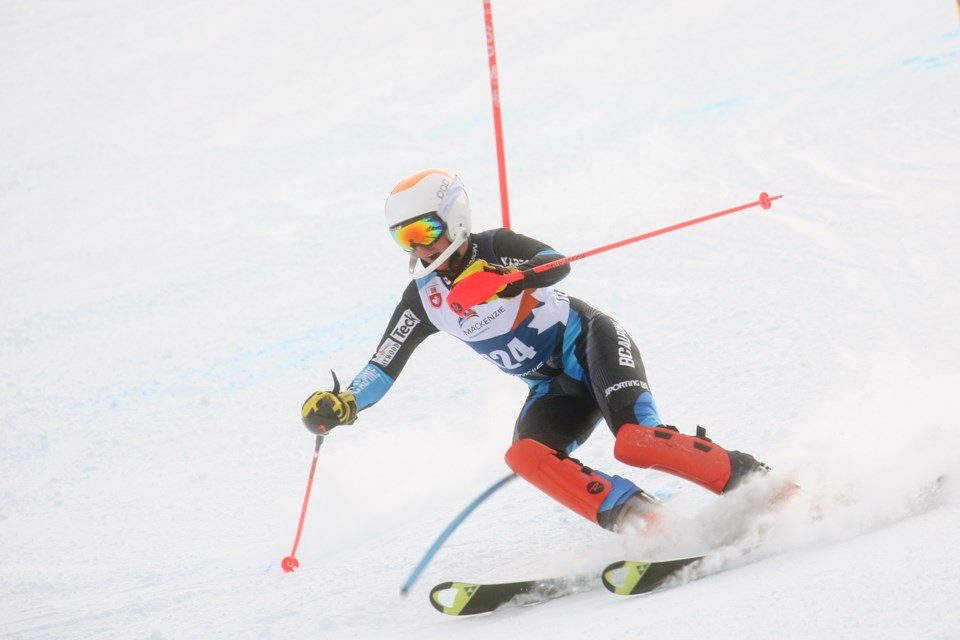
{"x":466,"y":599}
{"x":630,"y":577}
{"x":624,"y":577}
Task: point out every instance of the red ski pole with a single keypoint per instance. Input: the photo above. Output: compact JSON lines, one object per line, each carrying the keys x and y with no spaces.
{"x":497,"y":120}
{"x":484,"y":285}
{"x":290,"y":562}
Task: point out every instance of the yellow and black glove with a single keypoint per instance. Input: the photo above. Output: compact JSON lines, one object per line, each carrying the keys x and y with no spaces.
{"x":325,"y":410}
{"x":509,"y":290}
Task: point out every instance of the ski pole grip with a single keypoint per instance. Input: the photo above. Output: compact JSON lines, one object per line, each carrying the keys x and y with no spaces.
{"x":478,"y":288}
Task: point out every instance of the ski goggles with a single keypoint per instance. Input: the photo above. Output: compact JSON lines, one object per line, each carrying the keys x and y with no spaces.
{"x":422,"y":232}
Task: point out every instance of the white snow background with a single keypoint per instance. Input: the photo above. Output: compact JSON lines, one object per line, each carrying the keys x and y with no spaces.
{"x":191,"y":205}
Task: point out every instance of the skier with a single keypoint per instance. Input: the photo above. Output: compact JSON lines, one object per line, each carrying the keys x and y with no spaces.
{"x":579,"y":363}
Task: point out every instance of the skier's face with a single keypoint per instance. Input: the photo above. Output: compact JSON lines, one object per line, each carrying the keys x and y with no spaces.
{"x":431,"y":253}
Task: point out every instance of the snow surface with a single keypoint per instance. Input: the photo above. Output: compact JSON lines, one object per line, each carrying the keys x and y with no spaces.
{"x":191,"y":197}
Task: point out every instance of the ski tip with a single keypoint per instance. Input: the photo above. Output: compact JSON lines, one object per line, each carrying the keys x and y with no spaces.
{"x":629,"y":577}
{"x":458,"y":600}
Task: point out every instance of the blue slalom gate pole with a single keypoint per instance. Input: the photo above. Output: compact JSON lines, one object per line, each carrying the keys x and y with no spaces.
{"x":432,"y":551}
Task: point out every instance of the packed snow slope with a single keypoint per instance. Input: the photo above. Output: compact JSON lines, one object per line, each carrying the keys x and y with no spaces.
{"x":191,"y":206}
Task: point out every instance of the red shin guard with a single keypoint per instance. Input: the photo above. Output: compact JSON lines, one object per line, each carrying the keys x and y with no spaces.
{"x":695,"y":459}
{"x":562,"y":478}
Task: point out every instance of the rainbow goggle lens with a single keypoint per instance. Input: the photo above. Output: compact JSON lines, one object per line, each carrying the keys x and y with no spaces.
{"x":423,"y":232}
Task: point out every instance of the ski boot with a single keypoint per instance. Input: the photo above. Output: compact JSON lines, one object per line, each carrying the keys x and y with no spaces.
{"x":640,"y":512}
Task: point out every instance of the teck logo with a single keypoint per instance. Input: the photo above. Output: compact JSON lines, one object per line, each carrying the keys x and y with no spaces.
{"x":405,"y":326}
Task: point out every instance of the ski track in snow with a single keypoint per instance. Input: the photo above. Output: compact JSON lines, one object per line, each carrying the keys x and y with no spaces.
{"x":191,"y":196}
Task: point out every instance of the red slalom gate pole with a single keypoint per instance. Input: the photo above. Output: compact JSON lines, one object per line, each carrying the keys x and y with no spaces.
{"x":497,"y":122}
{"x":290,"y":562}
{"x":484,"y":285}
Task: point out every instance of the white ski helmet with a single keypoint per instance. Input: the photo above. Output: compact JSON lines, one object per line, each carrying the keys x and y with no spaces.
{"x":432,"y":191}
